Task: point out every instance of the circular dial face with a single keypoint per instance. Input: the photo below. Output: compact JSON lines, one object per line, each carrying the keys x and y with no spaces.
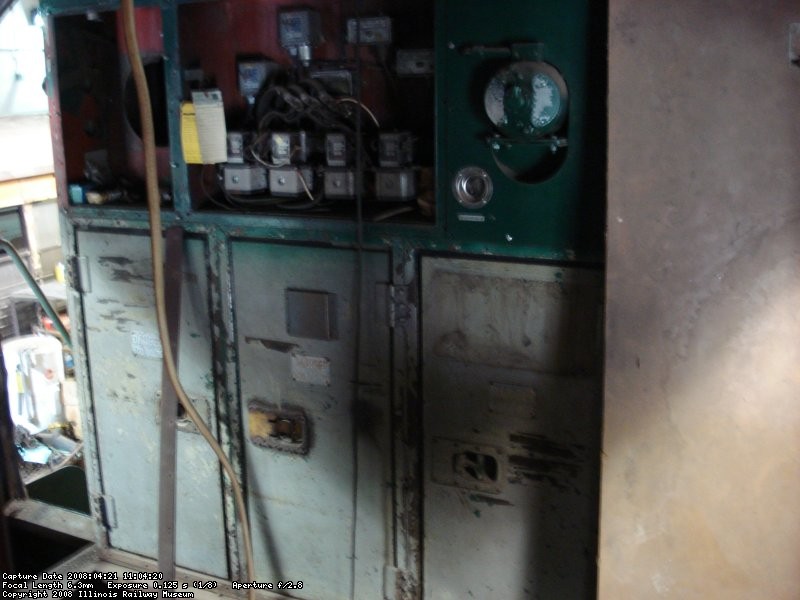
{"x":526,"y":100}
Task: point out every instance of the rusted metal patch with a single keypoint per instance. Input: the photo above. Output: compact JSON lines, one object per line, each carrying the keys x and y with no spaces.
{"x":278,"y":428}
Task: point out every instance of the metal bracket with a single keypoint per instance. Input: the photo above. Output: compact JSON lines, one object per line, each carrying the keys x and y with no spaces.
{"x":173,"y":276}
{"x":522,"y":51}
{"x":78,"y":274}
{"x":496,"y":142}
{"x":399,"y":307}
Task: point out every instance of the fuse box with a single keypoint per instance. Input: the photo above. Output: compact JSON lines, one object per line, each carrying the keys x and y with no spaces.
{"x":408,"y":200}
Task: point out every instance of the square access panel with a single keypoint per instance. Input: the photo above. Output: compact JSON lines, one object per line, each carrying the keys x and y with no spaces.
{"x":310,"y":314}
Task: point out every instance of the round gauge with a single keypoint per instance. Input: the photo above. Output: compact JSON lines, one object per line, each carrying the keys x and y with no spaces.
{"x":526,"y":100}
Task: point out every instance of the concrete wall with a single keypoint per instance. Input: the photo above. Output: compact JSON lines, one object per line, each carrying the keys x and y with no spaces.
{"x":701,"y":474}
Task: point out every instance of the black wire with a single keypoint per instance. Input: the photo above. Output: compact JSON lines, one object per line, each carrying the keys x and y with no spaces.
{"x":315,"y":203}
{"x":252,"y":201}
{"x":208,"y":194}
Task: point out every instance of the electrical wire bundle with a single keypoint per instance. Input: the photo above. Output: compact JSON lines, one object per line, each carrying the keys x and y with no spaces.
{"x":306,"y":103}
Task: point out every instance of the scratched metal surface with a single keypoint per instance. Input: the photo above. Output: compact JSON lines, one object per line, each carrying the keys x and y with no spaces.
{"x":302,"y":506}
{"x":511,"y":368}
{"x":125,"y":374}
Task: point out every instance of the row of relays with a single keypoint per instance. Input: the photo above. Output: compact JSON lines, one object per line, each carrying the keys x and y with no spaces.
{"x":289,"y":173}
{"x":303,"y":141}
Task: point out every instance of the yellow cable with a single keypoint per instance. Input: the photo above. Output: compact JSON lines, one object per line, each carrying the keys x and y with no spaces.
{"x":156,"y":247}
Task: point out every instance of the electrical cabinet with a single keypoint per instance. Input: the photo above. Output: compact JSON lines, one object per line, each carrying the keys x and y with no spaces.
{"x":509,"y":355}
{"x":391,"y":285}
{"x":331,"y":497}
{"x":122,"y":346}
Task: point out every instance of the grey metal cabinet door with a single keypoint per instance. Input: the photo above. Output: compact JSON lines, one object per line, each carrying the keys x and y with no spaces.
{"x":124,"y":358}
{"x":511,"y":389}
{"x":317,"y":453}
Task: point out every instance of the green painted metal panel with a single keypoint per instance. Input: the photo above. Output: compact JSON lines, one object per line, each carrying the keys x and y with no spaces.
{"x":562,"y":215}
{"x":559,"y":218}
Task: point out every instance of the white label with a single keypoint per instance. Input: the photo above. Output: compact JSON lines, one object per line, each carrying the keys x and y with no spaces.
{"x":471,"y":217}
{"x":146,"y":345}
{"x":315,"y":370}
{"x":211,"y":130}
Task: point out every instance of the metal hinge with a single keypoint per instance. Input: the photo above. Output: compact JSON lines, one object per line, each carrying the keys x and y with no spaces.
{"x":78,"y":274}
{"x":399,"y":308}
{"x":107,"y":511}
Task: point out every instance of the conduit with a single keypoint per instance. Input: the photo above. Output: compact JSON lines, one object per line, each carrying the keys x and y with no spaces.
{"x":156,"y":248}
{"x":37,"y":291}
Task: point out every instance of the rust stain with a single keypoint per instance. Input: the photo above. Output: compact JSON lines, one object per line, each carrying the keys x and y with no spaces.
{"x":277,"y":428}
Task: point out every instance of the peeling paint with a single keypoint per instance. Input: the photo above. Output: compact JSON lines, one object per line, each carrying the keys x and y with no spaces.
{"x":113,"y":260}
{"x":276,"y":345}
{"x":491,"y":501}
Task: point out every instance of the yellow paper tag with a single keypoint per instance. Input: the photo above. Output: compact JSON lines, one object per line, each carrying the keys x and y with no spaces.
{"x":190,"y":142}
